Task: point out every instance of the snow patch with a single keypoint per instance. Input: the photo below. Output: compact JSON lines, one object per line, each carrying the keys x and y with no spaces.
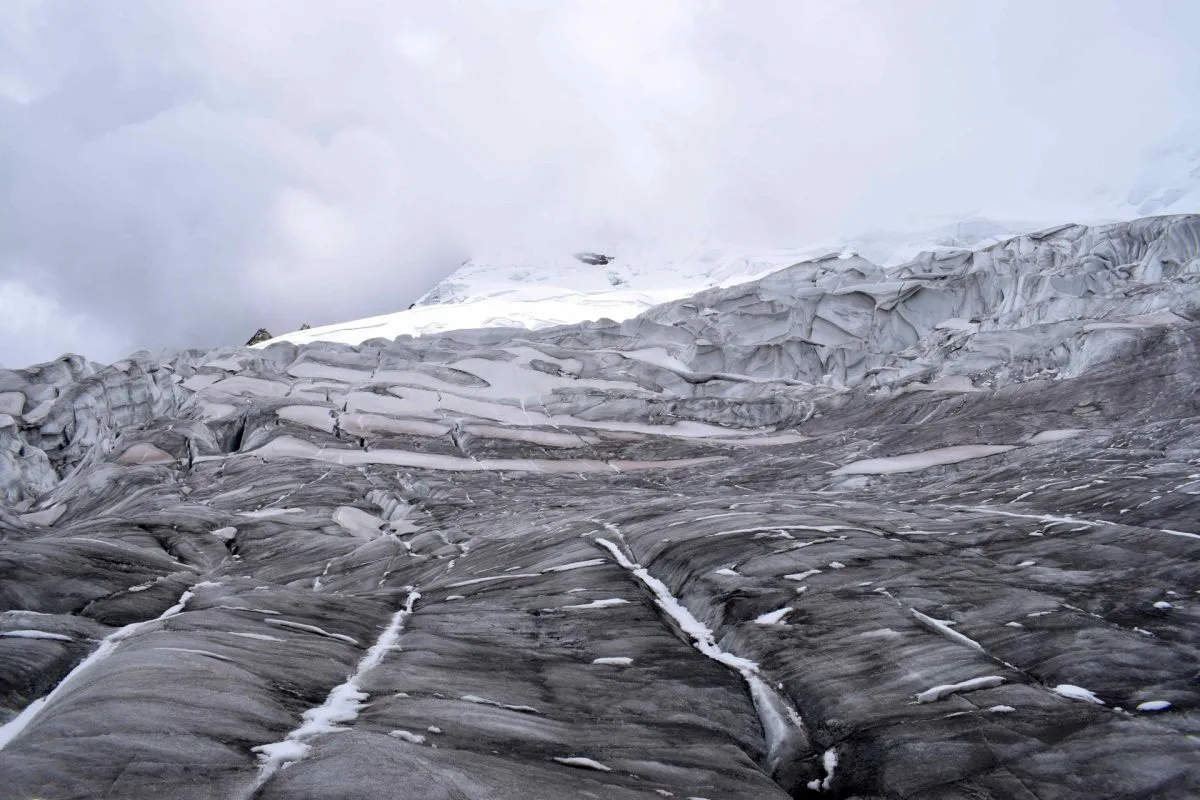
{"x":773,"y":617}
{"x":945,"y":690}
{"x":614,"y":661}
{"x":609,"y":603}
{"x":1154,"y":705}
{"x":582,"y":763}
{"x":915,"y":462}
{"x":1077,"y":693}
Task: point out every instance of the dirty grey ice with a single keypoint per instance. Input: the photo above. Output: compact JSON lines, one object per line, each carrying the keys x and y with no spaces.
{"x":924,"y":532}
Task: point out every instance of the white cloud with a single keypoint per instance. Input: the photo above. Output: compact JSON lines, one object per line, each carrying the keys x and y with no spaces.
{"x":185,"y":172}
{"x":29,"y":316}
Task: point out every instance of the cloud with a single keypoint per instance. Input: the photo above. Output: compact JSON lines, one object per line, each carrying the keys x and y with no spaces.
{"x":180,"y":174}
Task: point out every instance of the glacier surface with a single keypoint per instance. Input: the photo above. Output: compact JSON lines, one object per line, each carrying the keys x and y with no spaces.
{"x":925,"y":529}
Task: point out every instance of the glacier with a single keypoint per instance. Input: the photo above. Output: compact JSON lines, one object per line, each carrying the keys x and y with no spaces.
{"x":856,"y":526}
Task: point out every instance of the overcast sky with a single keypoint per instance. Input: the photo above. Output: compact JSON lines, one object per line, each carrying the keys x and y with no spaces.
{"x":180,"y":173}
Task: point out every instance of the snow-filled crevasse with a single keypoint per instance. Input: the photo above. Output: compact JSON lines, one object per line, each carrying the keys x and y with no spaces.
{"x":784,"y":731}
{"x":13,"y":728}
{"x":341,"y":705}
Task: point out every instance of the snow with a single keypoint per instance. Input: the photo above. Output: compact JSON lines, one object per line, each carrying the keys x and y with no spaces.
{"x":773,"y":617}
{"x":36,"y":635}
{"x":1059,"y":435}
{"x":583,"y":763}
{"x":143,"y":453}
{"x":483,"y":701}
{"x":262,"y":637}
{"x":946,"y":630}
{"x":727,"y":571}
{"x":800,"y":576}
{"x":300,"y":626}
{"x":1163,"y":605}
{"x":614,"y":661}
{"x":491,"y":578}
{"x":341,"y":705}
{"x":291,"y":447}
{"x":267,"y":513}
{"x":541,"y":287}
{"x":591,"y":562}
{"x":1002,"y":709}
{"x":609,"y":603}
{"x":1077,"y":693}
{"x":1154,"y":705}
{"x":945,"y":690}
{"x":408,"y":736}
{"x":359,"y":522}
{"x":914,"y":462}
{"x":829,"y":760}
{"x":781,"y":723}
{"x":45,"y":517}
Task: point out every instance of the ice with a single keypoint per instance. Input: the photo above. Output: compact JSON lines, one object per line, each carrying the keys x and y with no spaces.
{"x":1163,"y":605}
{"x":614,"y":661}
{"x":1077,"y":693}
{"x":609,"y":603}
{"x":12,"y":403}
{"x":1153,"y":705}
{"x":914,"y":462}
{"x":945,"y":690}
{"x":773,"y":617}
{"x":1001,"y":709}
{"x":727,"y":571}
{"x":584,"y":763}
{"x":29,"y":634}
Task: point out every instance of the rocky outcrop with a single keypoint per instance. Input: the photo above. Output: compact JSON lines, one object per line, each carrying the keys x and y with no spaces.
{"x":847,"y":532}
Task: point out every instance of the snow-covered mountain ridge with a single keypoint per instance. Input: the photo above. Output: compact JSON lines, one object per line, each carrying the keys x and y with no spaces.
{"x":539,"y":288}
